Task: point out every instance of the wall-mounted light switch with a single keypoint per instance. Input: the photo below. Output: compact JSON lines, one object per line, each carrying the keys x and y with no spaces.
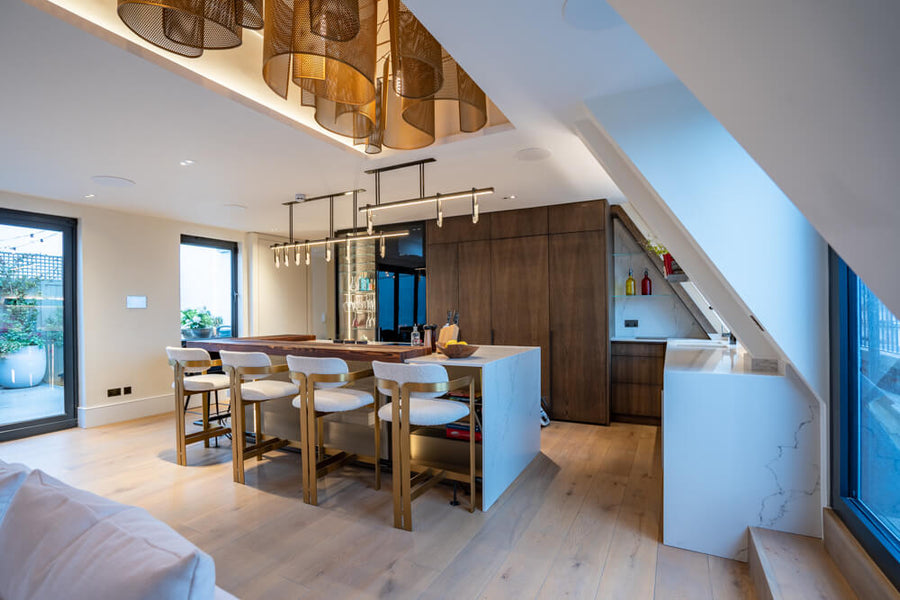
{"x":631,"y":322}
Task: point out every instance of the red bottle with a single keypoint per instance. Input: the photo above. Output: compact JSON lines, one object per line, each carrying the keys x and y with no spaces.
{"x":646,"y":284}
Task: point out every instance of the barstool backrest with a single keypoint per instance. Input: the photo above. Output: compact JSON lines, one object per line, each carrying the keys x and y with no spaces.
{"x":178,"y":353}
{"x":309,"y":365}
{"x":246,"y":359}
{"x":406,"y":373}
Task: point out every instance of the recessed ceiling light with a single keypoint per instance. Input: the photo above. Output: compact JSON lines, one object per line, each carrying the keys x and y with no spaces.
{"x":88,"y":196}
{"x":510,"y":197}
{"x":186,"y":162}
{"x":112,"y":181}
{"x":532,"y":154}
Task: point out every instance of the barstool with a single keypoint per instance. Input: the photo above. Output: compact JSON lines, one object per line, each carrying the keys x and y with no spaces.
{"x":253,"y":367}
{"x":414,"y":391}
{"x":321,"y":382}
{"x":194,"y":362}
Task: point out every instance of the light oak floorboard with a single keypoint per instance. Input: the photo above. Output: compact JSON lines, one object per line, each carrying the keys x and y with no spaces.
{"x":582,"y":521}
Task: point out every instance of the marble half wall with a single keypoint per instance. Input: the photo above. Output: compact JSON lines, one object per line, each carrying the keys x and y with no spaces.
{"x":739,"y":451}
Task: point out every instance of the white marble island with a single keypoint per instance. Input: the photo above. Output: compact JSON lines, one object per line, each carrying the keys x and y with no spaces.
{"x":740,"y":449}
{"x":510,"y":381}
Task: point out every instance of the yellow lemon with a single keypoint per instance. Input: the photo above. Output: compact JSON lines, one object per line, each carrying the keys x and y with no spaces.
{"x":451,"y":342}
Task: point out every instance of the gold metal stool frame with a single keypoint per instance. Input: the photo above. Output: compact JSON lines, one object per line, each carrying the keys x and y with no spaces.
{"x":407,"y":488}
{"x":182,"y":439}
{"x":315,"y":462}
{"x":240,"y":452}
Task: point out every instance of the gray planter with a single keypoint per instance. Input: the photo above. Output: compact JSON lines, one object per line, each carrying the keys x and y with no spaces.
{"x":25,"y":368}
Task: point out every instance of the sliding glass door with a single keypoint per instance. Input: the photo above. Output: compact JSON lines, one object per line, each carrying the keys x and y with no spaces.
{"x":38,"y":378}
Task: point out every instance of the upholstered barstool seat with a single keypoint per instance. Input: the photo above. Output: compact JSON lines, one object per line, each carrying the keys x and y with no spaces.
{"x":205,"y":383}
{"x":322,"y":384}
{"x":248,"y":372}
{"x":267,"y":389}
{"x":424,"y":412}
{"x":340,"y":400}
{"x":415,"y":390}
{"x":189,"y":368}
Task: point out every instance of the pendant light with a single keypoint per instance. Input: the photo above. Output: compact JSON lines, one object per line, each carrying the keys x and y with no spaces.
{"x":188,"y":27}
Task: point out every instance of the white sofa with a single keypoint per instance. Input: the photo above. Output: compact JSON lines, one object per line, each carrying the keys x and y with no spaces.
{"x":57,"y":541}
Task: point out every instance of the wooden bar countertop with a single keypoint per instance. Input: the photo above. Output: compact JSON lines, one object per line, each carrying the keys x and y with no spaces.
{"x":307,"y":345}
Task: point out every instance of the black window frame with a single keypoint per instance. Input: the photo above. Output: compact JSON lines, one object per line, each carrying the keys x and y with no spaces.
{"x":69,"y":228}
{"x":195,"y":240}
{"x":874,"y":537}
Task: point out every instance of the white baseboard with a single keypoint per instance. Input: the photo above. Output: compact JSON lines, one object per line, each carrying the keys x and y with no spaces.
{"x":114,"y":412}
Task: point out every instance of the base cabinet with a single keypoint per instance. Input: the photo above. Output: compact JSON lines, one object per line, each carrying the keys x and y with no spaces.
{"x":636,"y":381}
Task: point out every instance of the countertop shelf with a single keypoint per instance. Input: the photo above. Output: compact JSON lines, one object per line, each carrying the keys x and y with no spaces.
{"x":642,"y":296}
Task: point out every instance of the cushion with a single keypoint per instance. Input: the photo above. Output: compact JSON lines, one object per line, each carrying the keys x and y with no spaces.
{"x":204,"y":383}
{"x":309,"y":365}
{"x":61,"y":542}
{"x":178,"y":353}
{"x":11,"y":478}
{"x":339,"y":400}
{"x":428,"y":412}
{"x":246,"y":359}
{"x":267,"y":389}
{"x":403,"y":373}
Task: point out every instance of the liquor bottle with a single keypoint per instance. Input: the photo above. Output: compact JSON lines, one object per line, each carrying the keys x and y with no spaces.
{"x":414,"y":338}
{"x":646,"y":284}
{"x":629,"y":284}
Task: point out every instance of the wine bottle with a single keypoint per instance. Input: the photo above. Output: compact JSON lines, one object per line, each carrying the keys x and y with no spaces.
{"x":646,"y":284}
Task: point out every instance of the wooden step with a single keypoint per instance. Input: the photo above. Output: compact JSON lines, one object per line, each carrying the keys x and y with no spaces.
{"x":785,"y":566}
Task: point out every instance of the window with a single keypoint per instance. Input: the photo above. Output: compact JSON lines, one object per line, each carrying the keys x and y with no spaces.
{"x":209,"y":296}
{"x":38,"y":371}
{"x":866,"y":417}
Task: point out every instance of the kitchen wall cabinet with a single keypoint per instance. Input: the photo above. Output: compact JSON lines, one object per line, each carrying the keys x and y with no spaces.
{"x":578,"y":326}
{"x":532,"y":277}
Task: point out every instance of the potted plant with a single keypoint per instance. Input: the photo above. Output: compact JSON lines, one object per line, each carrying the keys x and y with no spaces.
{"x":672,"y":267}
{"x":198,"y":323}
{"x":23,"y":361}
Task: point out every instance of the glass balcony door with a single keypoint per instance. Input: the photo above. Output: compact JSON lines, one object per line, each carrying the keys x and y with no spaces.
{"x":37,"y":324}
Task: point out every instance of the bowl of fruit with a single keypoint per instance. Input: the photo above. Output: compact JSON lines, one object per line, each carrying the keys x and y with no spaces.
{"x":454,"y":349}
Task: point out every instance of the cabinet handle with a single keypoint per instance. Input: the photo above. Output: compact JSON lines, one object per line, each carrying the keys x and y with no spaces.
{"x":492,"y":337}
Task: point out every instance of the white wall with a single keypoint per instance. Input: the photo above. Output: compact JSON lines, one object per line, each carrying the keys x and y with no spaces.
{"x":278,"y":302}
{"x":758,"y":241}
{"x":810,"y":88}
{"x":125,"y":254}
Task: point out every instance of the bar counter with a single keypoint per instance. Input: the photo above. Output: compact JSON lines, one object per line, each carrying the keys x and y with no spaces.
{"x":308,"y":345}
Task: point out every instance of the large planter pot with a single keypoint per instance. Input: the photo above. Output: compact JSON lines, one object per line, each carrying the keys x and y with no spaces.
{"x":25,"y":368}
{"x":204,"y":332}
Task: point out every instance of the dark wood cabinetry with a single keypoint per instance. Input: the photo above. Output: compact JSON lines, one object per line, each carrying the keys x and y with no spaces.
{"x":520,"y":300}
{"x":636,"y":381}
{"x":578,"y":326}
{"x":532,"y":277}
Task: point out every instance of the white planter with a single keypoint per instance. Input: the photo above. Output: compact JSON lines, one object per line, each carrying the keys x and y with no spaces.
{"x":25,"y":368}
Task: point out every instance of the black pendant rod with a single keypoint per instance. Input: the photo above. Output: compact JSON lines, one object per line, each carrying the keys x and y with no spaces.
{"x":400,"y":166}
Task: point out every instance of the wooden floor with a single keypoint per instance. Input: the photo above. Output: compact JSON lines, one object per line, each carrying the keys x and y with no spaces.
{"x":581,"y":522}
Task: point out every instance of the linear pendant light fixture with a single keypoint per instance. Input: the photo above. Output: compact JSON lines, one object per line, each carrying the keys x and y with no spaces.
{"x":281,"y":252}
{"x":437,"y":199}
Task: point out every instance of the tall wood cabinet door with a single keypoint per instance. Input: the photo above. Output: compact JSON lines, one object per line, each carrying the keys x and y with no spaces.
{"x":579,"y":329}
{"x":475,"y":292}
{"x":441,"y":281}
{"x":520,"y":303}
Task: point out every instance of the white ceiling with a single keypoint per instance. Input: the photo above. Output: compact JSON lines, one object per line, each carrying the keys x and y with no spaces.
{"x":74,"y":106}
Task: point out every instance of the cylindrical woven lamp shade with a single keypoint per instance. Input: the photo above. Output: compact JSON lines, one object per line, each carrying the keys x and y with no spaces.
{"x":472,"y":101}
{"x":343,"y":119}
{"x":187,"y":27}
{"x":415,"y":54}
{"x":409,"y":124}
{"x":336,"y":20}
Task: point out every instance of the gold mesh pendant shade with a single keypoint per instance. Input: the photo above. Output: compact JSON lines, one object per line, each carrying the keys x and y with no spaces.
{"x":342,"y":72}
{"x":336,"y":20}
{"x":312,"y":44}
{"x":187,"y":27}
